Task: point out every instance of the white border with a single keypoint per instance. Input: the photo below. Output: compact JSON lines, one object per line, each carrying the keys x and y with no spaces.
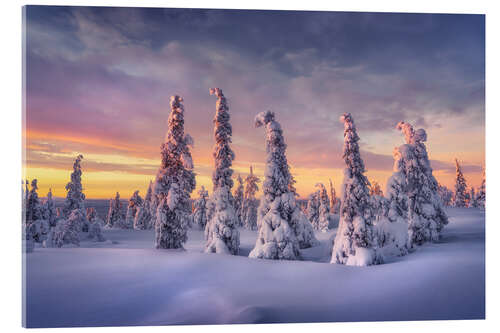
{"x":10,"y":19}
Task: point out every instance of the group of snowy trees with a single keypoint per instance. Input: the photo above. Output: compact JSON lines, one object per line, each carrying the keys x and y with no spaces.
{"x":464,"y":197}
{"x":51,"y":227}
{"x":372,"y":225}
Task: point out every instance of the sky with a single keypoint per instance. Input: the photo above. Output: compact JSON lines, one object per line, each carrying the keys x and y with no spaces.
{"x":98,"y":82}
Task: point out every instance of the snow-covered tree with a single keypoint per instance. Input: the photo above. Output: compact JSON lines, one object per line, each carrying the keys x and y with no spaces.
{"x":249,"y":201}
{"x":461,"y":197}
{"x":49,"y":210}
{"x":375,"y":189}
{"x":283,"y":228}
{"x":221,"y":231}
{"x":426,"y":213}
{"x":199,"y":216}
{"x":175,"y":180}
{"x":334,"y":201}
{"x":115,"y":218}
{"x":354,"y":244}
{"x":67,"y":231}
{"x":445,"y":194}
{"x":134,"y":204}
{"x":144,"y":218}
{"x":36,"y":224}
{"x":93,"y":216}
{"x":391,"y":212}
{"x":323,"y":209}
{"x":238,"y":200}
{"x":312,"y":209}
{"x":481,"y":193}
{"x":473,"y":198}
{"x":75,"y":199}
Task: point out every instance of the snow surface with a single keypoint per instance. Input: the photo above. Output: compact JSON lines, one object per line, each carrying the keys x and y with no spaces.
{"x":125,"y":281}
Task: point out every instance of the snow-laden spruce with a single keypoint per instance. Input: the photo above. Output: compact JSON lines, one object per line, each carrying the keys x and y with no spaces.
{"x":134,"y":204}
{"x":115,"y":218}
{"x":312,"y":209}
{"x":461,"y":197}
{"x":238,"y":200}
{"x":354,"y":243}
{"x":283,"y":227}
{"x":221,"y":231}
{"x":199,"y":216}
{"x":175,"y":180}
{"x":49,"y":210}
{"x":391,"y":212}
{"x":445,"y":194}
{"x":36,"y":227}
{"x":68,"y":230}
{"x":250,"y":202}
{"x":334,"y":201}
{"x":144,"y":219}
{"x":473,"y":198}
{"x":323,"y":209}
{"x":426,"y":214}
{"x":481,"y":193}
{"x":75,"y":199}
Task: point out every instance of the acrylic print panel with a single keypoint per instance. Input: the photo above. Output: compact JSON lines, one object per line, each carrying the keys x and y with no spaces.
{"x":187,"y":166}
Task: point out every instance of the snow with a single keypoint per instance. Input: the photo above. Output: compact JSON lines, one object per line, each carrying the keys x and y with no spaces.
{"x":124,"y":281}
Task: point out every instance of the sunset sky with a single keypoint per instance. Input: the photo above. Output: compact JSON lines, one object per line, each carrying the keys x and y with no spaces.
{"x":98,"y":82}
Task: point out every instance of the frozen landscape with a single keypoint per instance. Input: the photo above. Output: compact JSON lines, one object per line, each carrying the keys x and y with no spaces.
{"x":125,"y":281}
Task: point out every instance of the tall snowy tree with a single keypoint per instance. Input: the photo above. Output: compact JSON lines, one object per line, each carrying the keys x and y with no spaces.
{"x":221,"y":231}
{"x":481,"y":193}
{"x":175,"y":180}
{"x":283,"y":228}
{"x":354,"y":244}
{"x":313,"y":209}
{"x":334,"y":201}
{"x":75,"y":199}
{"x":199,"y":216}
{"x":426,"y":213}
{"x":238,"y":200}
{"x":50,"y":210}
{"x":115,"y":218}
{"x":249,"y":201}
{"x":461,"y":197}
{"x":134,"y":204}
{"x":324,"y":208}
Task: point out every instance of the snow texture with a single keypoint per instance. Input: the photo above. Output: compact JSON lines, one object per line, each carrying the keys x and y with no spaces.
{"x":354,"y":243}
{"x":175,"y":180}
{"x":117,"y":283}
